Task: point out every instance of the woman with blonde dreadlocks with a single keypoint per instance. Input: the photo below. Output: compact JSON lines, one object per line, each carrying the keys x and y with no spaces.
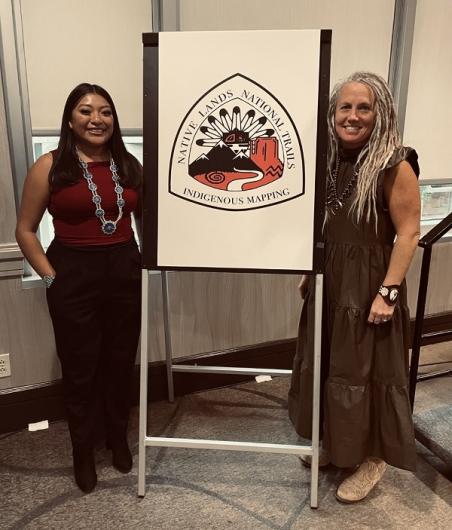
{"x":371,"y":232}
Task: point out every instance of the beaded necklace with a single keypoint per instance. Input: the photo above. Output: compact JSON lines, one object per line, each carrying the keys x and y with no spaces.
{"x":108,"y":226}
{"x":335,"y":202}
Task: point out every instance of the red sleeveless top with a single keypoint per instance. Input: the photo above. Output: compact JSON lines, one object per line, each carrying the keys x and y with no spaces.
{"x":73,"y":210}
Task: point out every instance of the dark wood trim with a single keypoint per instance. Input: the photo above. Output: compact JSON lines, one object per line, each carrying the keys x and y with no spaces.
{"x":321,"y":164}
{"x":440,"y":322}
{"x":27,"y":405}
{"x":21,"y":406}
{"x":150,"y":39}
{"x":24,"y":405}
{"x":149,"y":224}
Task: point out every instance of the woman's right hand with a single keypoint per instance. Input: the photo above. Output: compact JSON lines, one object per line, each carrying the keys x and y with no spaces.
{"x":303,"y":286}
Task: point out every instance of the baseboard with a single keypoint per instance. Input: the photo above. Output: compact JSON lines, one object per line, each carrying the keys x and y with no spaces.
{"x":33,"y":403}
{"x":22,"y":406}
{"x":19,"y":407}
{"x":435,"y":324}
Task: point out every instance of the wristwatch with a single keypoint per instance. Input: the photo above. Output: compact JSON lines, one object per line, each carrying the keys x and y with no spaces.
{"x":389,"y":293}
{"x":48,"y":280}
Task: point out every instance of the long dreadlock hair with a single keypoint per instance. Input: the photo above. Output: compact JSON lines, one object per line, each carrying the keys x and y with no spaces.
{"x":374,"y":156}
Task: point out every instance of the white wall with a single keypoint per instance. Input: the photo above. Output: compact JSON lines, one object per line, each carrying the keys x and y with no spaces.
{"x":429,"y":112}
{"x":72,"y":41}
{"x":361,"y":28}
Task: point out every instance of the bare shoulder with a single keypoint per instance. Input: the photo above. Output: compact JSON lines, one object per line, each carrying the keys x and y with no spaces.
{"x":400,"y":179}
{"x":402,"y":195}
{"x":400,"y":172}
{"x":42,"y":165}
{"x":38,"y":174}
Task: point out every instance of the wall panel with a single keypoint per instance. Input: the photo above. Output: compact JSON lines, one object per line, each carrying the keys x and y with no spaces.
{"x":429,"y":113}
{"x":73,"y":41}
{"x":361,"y":28}
{"x":216,"y":311}
{"x":7,"y":205}
{"x":439,"y":293}
{"x":428,"y":116}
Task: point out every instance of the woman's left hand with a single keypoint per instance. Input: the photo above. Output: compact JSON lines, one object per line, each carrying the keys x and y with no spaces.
{"x":380,"y":311}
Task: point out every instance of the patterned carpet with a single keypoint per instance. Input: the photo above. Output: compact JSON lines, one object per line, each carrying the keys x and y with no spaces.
{"x":204,"y":490}
{"x":433,"y":403}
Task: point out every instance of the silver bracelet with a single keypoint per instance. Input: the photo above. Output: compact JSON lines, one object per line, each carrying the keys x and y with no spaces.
{"x":48,"y":280}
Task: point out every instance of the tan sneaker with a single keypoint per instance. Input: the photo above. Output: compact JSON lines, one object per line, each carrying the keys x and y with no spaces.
{"x":356,"y":487}
{"x":324,"y":459}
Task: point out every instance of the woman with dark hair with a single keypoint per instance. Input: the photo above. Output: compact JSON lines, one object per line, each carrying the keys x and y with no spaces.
{"x":371,"y":232}
{"x":92,"y":271}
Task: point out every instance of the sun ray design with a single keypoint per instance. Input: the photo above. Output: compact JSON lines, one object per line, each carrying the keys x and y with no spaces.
{"x":239,"y":150}
{"x":212,"y":133}
{"x":263,"y":132}
{"x":222,"y":129}
{"x":215,"y":125}
{"x":256,"y":126}
{"x":207,"y":143}
{"x":248,"y":118}
{"x":225,"y":119}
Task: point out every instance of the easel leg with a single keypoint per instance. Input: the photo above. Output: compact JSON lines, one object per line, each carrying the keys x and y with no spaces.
{"x":316,"y":390}
{"x":143,"y":382}
{"x":168,"y":345}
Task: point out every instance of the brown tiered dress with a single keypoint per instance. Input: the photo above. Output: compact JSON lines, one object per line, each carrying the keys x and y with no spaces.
{"x":365,"y":409}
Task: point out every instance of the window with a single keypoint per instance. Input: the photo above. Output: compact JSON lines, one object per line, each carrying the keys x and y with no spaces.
{"x":436,"y":200}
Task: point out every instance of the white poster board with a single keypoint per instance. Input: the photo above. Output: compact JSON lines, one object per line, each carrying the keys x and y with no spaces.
{"x":237,"y":149}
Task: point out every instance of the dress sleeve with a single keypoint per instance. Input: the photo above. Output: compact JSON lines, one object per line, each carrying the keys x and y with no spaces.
{"x":405,"y":153}
{"x":402,"y":153}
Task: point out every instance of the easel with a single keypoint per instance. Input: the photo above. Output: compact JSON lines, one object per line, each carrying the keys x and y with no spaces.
{"x":151,"y":262}
{"x":159,"y":441}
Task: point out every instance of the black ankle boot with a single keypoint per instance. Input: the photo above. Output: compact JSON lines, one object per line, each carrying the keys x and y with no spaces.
{"x":84,"y":469}
{"x":121,"y":455}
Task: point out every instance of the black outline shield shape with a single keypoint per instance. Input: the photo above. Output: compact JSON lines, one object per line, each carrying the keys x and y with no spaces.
{"x":237,"y":149}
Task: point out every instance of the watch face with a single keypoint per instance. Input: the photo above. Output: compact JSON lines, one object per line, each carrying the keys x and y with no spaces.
{"x":393,"y":294}
{"x":384,"y":291}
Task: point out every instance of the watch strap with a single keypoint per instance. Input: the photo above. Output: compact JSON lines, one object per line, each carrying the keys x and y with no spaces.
{"x":390,"y":293}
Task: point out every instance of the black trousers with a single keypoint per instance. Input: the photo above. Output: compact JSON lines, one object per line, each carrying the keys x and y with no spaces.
{"x":95,"y":304}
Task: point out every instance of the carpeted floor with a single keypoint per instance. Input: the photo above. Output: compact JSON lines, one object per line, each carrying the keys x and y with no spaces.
{"x":204,"y":490}
{"x":433,"y":403}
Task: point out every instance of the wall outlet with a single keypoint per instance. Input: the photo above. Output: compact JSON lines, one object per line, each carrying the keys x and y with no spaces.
{"x":5,"y":365}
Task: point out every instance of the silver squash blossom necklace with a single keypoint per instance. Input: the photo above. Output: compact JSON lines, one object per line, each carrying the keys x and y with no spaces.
{"x":108,"y":226}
